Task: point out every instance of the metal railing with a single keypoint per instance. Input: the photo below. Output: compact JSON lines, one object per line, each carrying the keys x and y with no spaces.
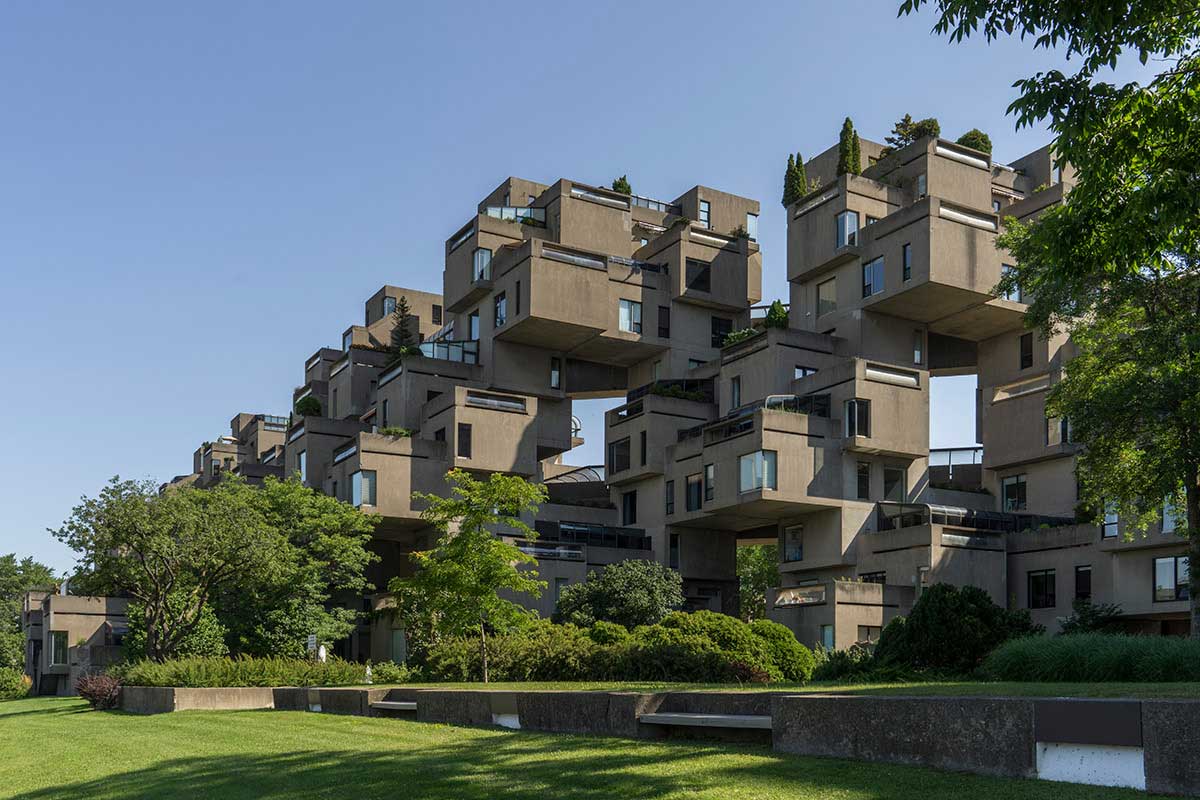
{"x":894,"y":516}
{"x":594,"y":535}
{"x":945,"y":457}
{"x":465,"y":352}
{"x":760,"y":312}
{"x":636,"y":264}
{"x":556,"y":551}
{"x":534,"y":216}
{"x":698,"y":389}
{"x":655,"y":205}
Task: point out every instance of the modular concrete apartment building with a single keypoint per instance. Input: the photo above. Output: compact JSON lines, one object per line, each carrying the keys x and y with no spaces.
{"x":815,"y":436}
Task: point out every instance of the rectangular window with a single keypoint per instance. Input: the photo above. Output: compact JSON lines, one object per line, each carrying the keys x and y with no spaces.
{"x":921,"y":186}
{"x":501,"y":309}
{"x":1112,"y":523}
{"x":673,"y":552}
{"x":629,"y":508}
{"x":893,"y":484}
{"x":858,"y":418}
{"x":847,"y":229}
{"x":872,"y":277}
{"x":302,"y":465}
{"x":389,"y":306}
{"x":756,"y":471}
{"x":58,"y":648}
{"x":1055,"y":175}
{"x":1041,"y":589}
{"x":473,"y":325}
{"x":752,"y":226}
{"x":793,"y":543}
{"x":918,"y":346}
{"x":629,"y":316}
{"x":874,"y":577}
{"x":642,"y":446}
{"x":720,"y":329}
{"x":803,"y":371}
{"x":1012,"y":492}
{"x":1015,"y":294}
{"x":664,"y":322}
{"x":1171,"y":517}
{"x":827,"y":296}
{"x":1171,"y":579}
{"x":735,"y":392}
{"x":436,"y":314}
{"x":383,"y":413}
{"x":464,"y":440}
{"x":695,"y":489}
{"x":439,"y":435}
{"x":995,"y":206}
{"x":618,"y":455}
{"x":695,"y":363}
{"x":827,"y":637}
{"x":906,"y":260}
{"x":710,"y":480}
{"x":698,"y":275}
{"x":1026,"y":350}
{"x":482,"y":264}
{"x":705,"y":216}
{"x":669,"y":490}
{"x":347,"y":340}
{"x":362,"y":488}
{"x":871,"y":220}
{"x":862,"y":474}
{"x":555,"y":373}
{"x":1083,"y":582}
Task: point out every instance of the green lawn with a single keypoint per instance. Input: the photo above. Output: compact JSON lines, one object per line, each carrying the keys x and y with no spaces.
{"x":52,"y":748}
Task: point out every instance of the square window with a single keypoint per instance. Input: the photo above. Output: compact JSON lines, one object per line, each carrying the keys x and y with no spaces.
{"x":362,"y":488}
{"x":698,"y":275}
{"x":1041,"y":589}
{"x":1012,"y":492}
{"x":629,"y":316}
{"x":827,"y":296}
{"x":756,"y":471}
{"x":720,"y":328}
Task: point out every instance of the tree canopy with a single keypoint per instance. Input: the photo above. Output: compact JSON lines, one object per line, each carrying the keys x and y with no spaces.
{"x":621,"y":185}
{"x":629,"y":593}
{"x":849,"y":150}
{"x":757,"y":571}
{"x":16,"y":578}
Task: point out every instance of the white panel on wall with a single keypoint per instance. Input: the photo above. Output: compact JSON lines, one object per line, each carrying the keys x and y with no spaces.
{"x":1099,"y":765}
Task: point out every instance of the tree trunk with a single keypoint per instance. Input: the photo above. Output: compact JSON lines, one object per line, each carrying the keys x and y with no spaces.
{"x":483,"y":648}
{"x":1193,"y":523}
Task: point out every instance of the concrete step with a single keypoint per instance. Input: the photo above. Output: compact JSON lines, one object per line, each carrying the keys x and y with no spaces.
{"x":708,"y":720}
{"x":394,"y":705}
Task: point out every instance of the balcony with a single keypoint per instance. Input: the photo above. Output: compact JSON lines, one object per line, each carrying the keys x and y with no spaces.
{"x":898,"y":516}
{"x":526,"y":216}
{"x":464,"y":352}
{"x":553,"y":551}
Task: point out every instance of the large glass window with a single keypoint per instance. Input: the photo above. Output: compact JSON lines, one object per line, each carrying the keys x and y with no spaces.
{"x":347,"y":339}
{"x":1112,"y":523}
{"x":872,"y":277}
{"x":862,"y":476}
{"x":705,"y":214}
{"x":893,"y":484}
{"x":629,"y":316}
{"x":1015,"y":293}
{"x":847,"y":228}
{"x":858,"y":418}
{"x":501,"y":309}
{"x":1083,"y":582}
{"x":752,"y":226}
{"x":58,"y":648}
{"x":695,"y":489}
{"x":1012,"y":492}
{"x":464,"y":440}
{"x":670,"y":497}
{"x":827,"y":637}
{"x":1026,"y":350}
{"x":698,"y":275}
{"x":435,"y":314}
{"x":906,"y":260}
{"x":827,"y":296}
{"x":793,"y":543}
{"x":483,"y":264}
{"x":1041,"y":589}
{"x":1171,"y":577}
{"x":389,"y":306}
{"x":756,"y":471}
{"x":629,"y":508}
{"x":473,"y":325}
{"x":618,"y":455}
{"x":720,"y":328}
{"x":362,"y":488}
{"x":710,"y":481}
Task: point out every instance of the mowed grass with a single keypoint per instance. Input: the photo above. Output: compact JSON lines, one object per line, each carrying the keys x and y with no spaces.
{"x":56,"y":748}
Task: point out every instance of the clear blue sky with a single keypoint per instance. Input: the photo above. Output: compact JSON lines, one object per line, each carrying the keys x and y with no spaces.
{"x":193,"y":199}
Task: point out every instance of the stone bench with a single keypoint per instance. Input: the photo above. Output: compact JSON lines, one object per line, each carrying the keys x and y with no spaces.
{"x":393,"y":705}
{"x":739,"y":721}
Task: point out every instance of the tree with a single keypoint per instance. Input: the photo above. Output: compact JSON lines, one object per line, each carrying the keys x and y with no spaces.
{"x":777,"y":315}
{"x":327,"y":559}
{"x":621,"y":185}
{"x":1116,"y":268}
{"x":206,"y":638}
{"x":17,"y":578}
{"x":308,"y":406}
{"x":849,"y":157}
{"x":795,"y":184}
{"x":629,"y":593}
{"x":172,"y":552}
{"x":757,"y":571}
{"x":906,"y":131}
{"x":976,"y":140}
{"x":1088,"y":618}
{"x":457,"y":584}
{"x":402,"y":338}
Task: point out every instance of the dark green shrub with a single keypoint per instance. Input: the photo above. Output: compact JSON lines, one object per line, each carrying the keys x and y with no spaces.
{"x":976,"y":140}
{"x":950,"y":631}
{"x":732,"y":640}
{"x":102,"y":692}
{"x":205,"y":640}
{"x":308,"y":406}
{"x":621,"y":185}
{"x":206,"y":672}
{"x":855,"y":663}
{"x":849,"y":150}
{"x":1087,"y":617}
{"x":393,"y":430}
{"x":629,"y":593}
{"x":14,"y":684}
{"x":739,"y":336}
{"x":794,"y":660}
{"x":390,"y":672}
{"x":1095,"y":657}
{"x":607,"y":633}
{"x":541,"y":651}
{"x":777,"y":316}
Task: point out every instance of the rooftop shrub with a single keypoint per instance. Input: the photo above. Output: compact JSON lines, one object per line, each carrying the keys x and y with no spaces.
{"x":621,"y":185}
{"x":739,"y":336}
{"x":976,"y":140}
{"x":308,"y":406}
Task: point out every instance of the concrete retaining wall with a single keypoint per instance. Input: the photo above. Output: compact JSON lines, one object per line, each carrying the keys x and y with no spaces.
{"x":157,"y":700}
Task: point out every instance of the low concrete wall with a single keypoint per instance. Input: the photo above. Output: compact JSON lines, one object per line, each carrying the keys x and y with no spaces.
{"x":158,"y":700}
{"x":1171,"y":740}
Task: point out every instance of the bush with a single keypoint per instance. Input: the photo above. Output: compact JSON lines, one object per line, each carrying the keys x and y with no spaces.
{"x":739,"y":336}
{"x":211,"y":672}
{"x":629,"y":593}
{"x":621,"y":185}
{"x":393,"y":430}
{"x":1095,"y":657}
{"x":701,"y":646}
{"x":950,"y":631}
{"x":793,"y":659}
{"x":103,"y":692}
{"x":308,"y":407}
{"x":14,"y":684}
{"x":855,"y":663}
{"x":1089,"y":618}
{"x":541,"y":651}
{"x":390,"y":672}
{"x":777,"y":315}
{"x":607,"y":633}
{"x":205,"y":640}
{"x":976,"y":140}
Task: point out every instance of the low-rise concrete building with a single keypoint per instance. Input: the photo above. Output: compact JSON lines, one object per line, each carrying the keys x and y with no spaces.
{"x":67,"y":636}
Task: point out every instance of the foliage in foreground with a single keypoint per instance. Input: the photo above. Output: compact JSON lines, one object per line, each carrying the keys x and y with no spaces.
{"x":629,"y":593}
{"x":702,"y":647}
{"x":757,"y":571}
{"x":14,"y":684}
{"x":1095,"y":657}
{"x":209,"y":672}
{"x":102,"y":692}
{"x":16,"y":578}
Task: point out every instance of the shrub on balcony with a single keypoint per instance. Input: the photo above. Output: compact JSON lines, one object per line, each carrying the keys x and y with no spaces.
{"x":976,"y":140}
{"x":621,"y":185}
{"x":677,"y":392}
{"x":777,"y":316}
{"x":849,"y":150}
{"x":394,"y":430}
{"x":308,"y":406}
{"x":739,"y":336}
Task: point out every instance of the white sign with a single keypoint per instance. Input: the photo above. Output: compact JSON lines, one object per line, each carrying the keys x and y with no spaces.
{"x":312,"y":642}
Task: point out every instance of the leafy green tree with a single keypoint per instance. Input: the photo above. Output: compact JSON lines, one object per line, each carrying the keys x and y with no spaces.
{"x":849,"y":150}
{"x":777,"y":315}
{"x":17,"y":578}
{"x":906,"y":131}
{"x":1116,"y":267}
{"x":621,"y":185}
{"x":456,"y":588}
{"x":308,"y":406}
{"x":976,"y":140}
{"x":757,"y":571}
{"x":629,"y":593}
{"x":402,"y":343}
{"x":327,"y":560}
{"x":206,"y":638}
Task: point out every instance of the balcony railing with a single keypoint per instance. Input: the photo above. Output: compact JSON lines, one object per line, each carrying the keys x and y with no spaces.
{"x":594,"y":535}
{"x":528,"y":216}
{"x":275,"y":422}
{"x":465,"y":352}
{"x":556,"y":551}
{"x":655,"y":205}
{"x":894,"y":516}
{"x":636,"y":264}
{"x":742,"y":419}
{"x":700,"y":390}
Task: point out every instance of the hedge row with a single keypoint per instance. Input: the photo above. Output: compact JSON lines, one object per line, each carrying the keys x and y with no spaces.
{"x":209,"y":672}
{"x":1094,"y":657}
